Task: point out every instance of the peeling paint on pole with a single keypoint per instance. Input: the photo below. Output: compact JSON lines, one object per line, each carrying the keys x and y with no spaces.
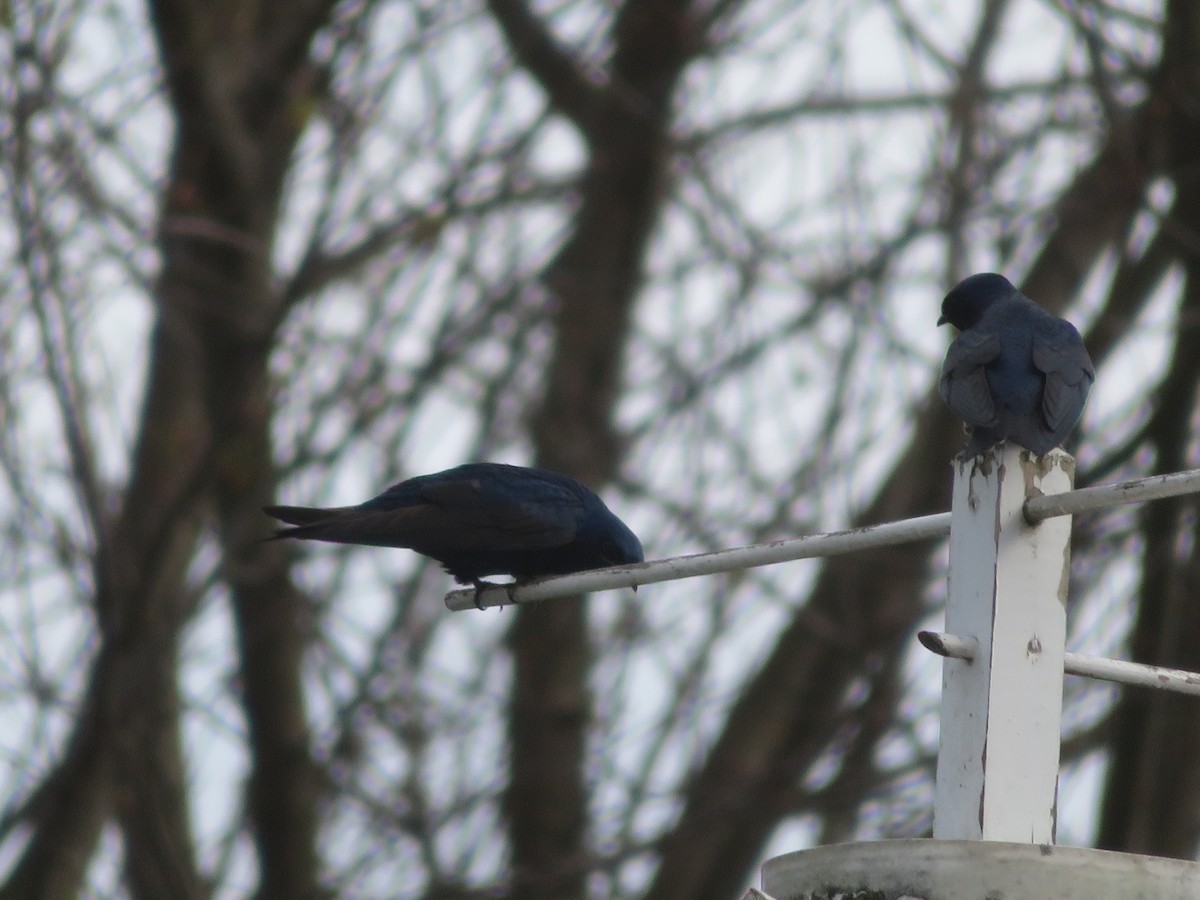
{"x":1001,"y":712}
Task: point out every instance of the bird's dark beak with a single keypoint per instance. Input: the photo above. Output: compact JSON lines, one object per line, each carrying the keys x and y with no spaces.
{"x":942,"y":320}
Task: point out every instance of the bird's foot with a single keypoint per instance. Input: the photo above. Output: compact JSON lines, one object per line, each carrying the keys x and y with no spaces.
{"x":481,"y":586}
{"x":978,"y":446}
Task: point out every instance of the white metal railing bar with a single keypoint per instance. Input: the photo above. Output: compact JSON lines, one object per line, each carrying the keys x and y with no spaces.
{"x":1102,"y":668}
{"x":1139,"y":490}
{"x":868,"y":538}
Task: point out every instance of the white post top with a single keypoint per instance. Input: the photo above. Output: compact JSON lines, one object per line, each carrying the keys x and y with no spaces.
{"x":997,"y":773}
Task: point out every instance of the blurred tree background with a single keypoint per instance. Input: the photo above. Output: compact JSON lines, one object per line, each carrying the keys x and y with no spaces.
{"x":690,"y":251}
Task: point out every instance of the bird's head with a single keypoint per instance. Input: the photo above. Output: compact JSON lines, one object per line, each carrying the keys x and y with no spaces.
{"x":619,"y":546}
{"x":968,"y":300}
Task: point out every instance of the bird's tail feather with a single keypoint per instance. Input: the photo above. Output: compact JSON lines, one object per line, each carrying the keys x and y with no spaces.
{"x":299,"y":515}
{"x":281,"y":533}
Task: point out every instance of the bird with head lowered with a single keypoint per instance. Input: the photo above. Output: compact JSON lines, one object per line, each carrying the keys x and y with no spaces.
{"x":1014,"y":372}
{"x":480,"y":519}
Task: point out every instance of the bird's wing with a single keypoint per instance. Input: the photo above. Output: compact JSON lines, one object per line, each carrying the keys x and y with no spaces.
{"x":523,"y":515}
{"x":443,"y":516}
{"x":437,"y":529}
{"x":964,"y":384}
{"x":1058,"y":352}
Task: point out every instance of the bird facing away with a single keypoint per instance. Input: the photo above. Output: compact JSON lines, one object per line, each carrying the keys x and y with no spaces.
{"x":1014,"y":371}
{"x":480,"y":519}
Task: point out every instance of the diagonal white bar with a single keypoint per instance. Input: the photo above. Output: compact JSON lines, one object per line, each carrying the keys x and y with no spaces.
{"x":1121,"y":671}
{"x":868,"y":538}
{"x":997,"y":771}
{"x":1178,"y":681}
{"x":1139,"y":490}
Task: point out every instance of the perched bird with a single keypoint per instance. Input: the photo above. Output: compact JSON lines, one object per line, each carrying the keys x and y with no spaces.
{"x":1014,"y":371}
{"x":480,"y":519}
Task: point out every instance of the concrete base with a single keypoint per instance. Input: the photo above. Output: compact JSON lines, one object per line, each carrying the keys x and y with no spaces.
{"x":975,"y":870}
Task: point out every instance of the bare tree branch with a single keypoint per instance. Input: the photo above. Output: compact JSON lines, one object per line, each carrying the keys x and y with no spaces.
{"x":593,"y":281}
{"x":567,"y":85}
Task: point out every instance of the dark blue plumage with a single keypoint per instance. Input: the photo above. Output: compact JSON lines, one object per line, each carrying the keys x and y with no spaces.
{"x":480,"y":519}
{"x":1014,"y":371}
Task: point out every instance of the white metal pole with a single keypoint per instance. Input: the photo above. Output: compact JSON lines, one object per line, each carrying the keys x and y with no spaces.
{"x":1119,"y":671}
{"x":869,"y":537}
{"x":997,"y":770}
{"x":1104,"y":496}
